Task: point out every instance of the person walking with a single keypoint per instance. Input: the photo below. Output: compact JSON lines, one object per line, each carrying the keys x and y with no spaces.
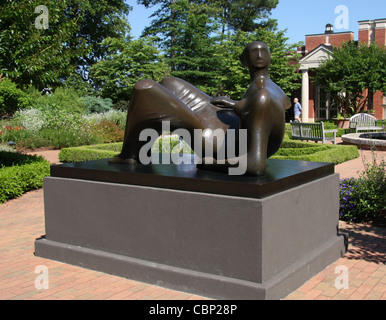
{"x":297,"y":110}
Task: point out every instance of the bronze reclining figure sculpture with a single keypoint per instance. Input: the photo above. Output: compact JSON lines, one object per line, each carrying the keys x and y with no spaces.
{"x":261,"y":112}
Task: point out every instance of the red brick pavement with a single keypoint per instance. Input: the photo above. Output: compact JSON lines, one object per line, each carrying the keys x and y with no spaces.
{"x":22,"y":221}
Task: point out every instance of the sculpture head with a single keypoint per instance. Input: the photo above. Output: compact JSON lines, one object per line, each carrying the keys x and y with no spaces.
{"x":256,"y":56}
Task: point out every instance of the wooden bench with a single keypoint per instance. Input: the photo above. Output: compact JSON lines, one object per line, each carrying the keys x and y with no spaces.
{"x":364,"y":122}
{"x":312,"y":131}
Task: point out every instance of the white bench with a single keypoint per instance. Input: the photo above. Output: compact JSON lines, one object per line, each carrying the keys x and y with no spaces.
{"x":364,"y":122}
{"x":312,"y":131}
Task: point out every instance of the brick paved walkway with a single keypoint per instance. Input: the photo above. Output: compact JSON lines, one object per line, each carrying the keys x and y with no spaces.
{"x":22,"y":221}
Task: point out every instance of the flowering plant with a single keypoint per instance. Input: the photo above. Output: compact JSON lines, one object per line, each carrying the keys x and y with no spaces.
{"x":8,"y":132}
{"x":364,"y":199}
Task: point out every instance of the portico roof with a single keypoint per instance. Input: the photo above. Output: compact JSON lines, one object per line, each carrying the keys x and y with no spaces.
{"x":316,"y":57}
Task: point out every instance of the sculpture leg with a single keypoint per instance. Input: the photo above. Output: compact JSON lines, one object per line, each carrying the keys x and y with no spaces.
{"x":210,"y":116}
{"x":152,"y":104}
{"x":191,"y":96}
{"x":257,"y":151}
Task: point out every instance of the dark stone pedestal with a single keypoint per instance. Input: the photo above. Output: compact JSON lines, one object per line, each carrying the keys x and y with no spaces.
{"x":202,"y":232}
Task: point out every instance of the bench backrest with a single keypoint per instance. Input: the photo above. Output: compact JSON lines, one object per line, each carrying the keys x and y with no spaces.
{"x":363,"y":120}
{"x":314,"y":131}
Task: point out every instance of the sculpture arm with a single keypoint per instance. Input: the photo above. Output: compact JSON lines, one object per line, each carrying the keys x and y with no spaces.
{"x":223,"y":102}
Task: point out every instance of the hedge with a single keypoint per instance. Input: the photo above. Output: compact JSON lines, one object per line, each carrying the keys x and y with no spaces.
{"x":316,"y":152}
{"x":290,"y":150}
{"x":20,"y":173}
{"x":334,"y":154}
{"x":91,"y":152}
{"x":103,"y":151}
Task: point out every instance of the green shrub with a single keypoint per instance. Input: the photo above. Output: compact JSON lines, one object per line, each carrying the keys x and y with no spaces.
{"x":316,"y":152}
{"x":54,"y":128}
{"x":109,"y":132}
{"x":58,"y":138}
{"x":99,"y":105}
{"x":364,"y":199}
{"x":300,"y":151}
{"x":57,"y":117}
{"x":92,"y":152}
{"x":83,"y":154}
{"x":20,"y":173}
{"x":70,"y":137}
{"x":115,"y":147}
{"x":115,"y":116}
{"x":171,"y":143}
{"x":326,"y":153}
{"x":76,"y":83}
{"x":122,"y":105}
{"x":287,"y":143}
{"x":11,"y":133}
{"x":9,"y":159}
{"x":64,"y":99}
{"x":109,"y":150}
{"x":30,"y":119}
{"x":12,"y":98}
{"x":291,"y":150}
{"x":6,"y":147}
{"x":31,"y":141}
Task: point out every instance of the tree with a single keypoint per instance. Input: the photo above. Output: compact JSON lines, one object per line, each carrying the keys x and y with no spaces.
{"x":12,"y":98}
{"x":101,"y":19}
{"x":127,"y":62}
{"x":234,"y":78}
{"x":173,"y":19}
{"x":192,"y":55}
{"x":184,"y":30}
{"x":70,"y":41}
{"x":351,"y":70}
{"x":29,"y":55}
{"x":202,"y":41}
{"x":233,"y":15}
{"x":244,"y":15}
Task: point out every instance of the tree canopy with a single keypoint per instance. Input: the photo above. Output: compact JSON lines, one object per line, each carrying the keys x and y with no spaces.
{"x":87,"y":45}
{"x":351,"y":70}
{"x":245,"y":15}
{"x":127,"y":62}
{"x":70,"y":41}
{"x":234,"y":78}
{"x":230,"y":15}
{"x":203,"y":39}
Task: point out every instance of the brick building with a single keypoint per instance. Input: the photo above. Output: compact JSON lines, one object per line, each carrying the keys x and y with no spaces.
{"x":315,"y":101}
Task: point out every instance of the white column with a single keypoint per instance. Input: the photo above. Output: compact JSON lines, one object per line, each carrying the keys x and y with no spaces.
{"x":305,"y":95}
